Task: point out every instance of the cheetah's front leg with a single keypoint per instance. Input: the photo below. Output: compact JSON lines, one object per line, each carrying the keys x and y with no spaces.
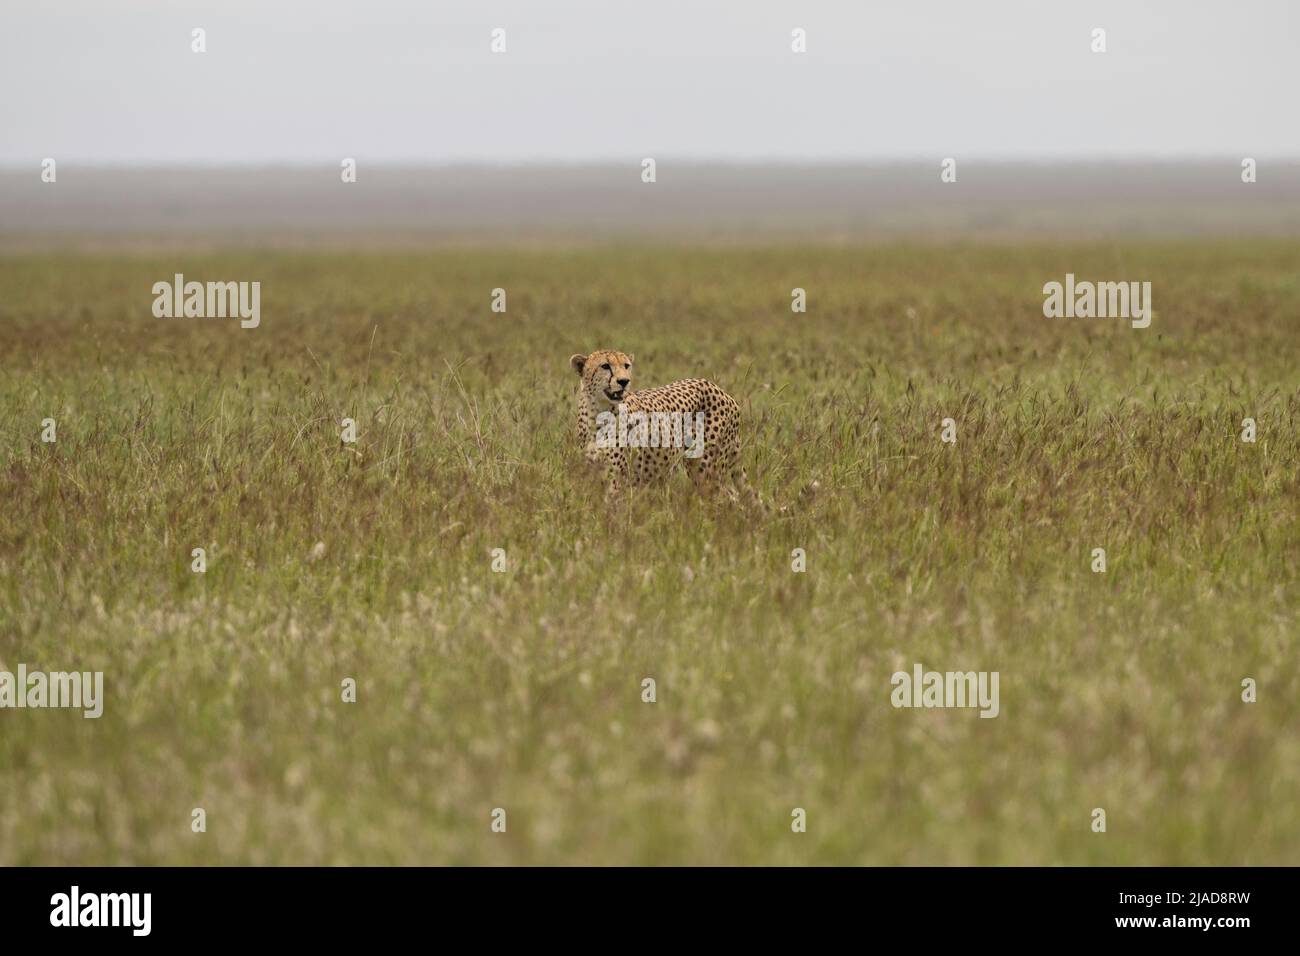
{"x":615,"y":472}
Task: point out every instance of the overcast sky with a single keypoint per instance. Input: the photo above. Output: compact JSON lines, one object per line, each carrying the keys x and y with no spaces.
{"x":601,"y":80}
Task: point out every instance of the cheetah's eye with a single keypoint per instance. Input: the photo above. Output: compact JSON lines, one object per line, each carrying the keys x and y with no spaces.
{"x":605,"y":366}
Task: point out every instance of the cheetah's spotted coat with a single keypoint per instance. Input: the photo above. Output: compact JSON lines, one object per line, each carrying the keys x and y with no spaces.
{"x":606,"y":377}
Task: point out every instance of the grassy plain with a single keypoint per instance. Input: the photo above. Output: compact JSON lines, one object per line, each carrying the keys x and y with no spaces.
{"x":522,"y":690}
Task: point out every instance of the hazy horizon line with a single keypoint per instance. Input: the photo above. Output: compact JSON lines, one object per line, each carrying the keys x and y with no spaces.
{"x":607,"y":162}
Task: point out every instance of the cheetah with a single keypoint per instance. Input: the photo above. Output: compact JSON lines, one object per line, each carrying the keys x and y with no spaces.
{"x":692,"y":422}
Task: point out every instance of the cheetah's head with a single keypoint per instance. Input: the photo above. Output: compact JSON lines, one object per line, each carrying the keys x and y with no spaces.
{"x":605,"y":375}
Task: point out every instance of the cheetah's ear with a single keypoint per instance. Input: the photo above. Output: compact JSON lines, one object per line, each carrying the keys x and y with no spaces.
{"x":631,"y":359}
{"x":578,"y":362}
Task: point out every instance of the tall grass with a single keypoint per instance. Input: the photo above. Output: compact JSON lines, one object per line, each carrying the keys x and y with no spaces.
{"x":523,"y":690}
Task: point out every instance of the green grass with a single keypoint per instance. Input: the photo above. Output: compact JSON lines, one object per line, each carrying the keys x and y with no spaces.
{"x":522,"y":690}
